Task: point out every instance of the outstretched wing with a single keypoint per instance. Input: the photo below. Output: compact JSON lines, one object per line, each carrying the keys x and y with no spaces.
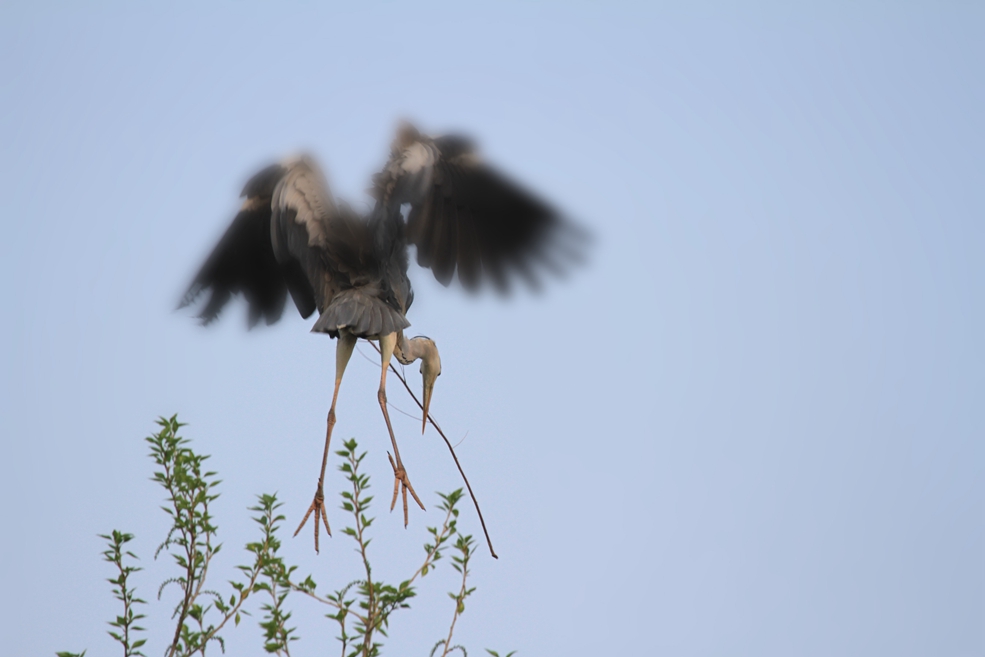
{"x":244,"y":263}
{"x":289,"y":237}
{"x":465,"y":215}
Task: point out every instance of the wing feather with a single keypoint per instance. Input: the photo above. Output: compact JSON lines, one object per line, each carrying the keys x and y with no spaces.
{"x":290,"y":237}
{"x":466,"y":216}
{"x":446,"y":241}
{"x":243,"y":263}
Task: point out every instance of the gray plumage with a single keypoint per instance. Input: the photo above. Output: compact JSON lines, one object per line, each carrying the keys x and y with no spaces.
{"x":291,"y":237}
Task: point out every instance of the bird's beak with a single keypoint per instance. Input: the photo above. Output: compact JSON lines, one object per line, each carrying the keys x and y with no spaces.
{"x":429,"y":377}
{"x":430,"y":371}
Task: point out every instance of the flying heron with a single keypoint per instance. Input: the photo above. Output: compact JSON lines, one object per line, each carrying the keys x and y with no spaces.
{"x":291,"y":237}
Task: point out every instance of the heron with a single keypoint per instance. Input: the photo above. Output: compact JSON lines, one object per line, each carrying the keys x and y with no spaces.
{"x":292,"y":238}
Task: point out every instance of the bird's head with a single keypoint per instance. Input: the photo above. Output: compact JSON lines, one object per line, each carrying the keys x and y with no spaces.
{"x":430,"y":371}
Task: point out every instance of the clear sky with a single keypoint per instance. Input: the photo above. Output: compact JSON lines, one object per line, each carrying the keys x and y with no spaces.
{"x":753,"y":426}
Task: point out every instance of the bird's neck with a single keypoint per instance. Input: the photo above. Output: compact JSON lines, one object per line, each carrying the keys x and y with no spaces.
{"x":409,"y":350}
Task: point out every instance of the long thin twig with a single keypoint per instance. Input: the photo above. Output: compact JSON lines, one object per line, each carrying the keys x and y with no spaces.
{"x":451,"y":449}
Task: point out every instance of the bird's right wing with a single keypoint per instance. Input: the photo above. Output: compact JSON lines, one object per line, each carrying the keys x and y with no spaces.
{"x":289,"y":236}
{"x":243,"y":263}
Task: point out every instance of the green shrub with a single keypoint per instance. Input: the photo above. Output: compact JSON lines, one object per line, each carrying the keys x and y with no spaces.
{"x":361,"y":608}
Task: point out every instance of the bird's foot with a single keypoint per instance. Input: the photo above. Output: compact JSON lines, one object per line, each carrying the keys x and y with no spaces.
{"x":318,"y":508}
{"x":401,"y":484}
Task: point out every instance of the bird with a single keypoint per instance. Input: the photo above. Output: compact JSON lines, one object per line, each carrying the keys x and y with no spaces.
{"x":292,"y":238}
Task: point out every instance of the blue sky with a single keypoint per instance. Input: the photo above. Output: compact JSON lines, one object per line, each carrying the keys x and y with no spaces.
{"x":753,"y":426}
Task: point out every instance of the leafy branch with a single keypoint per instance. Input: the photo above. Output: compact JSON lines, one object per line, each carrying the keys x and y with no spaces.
{"x":277,"y":636}
{"x":192,"y":537}
{"x":362,"y":608}
{"x":465,"y":546}
{"x":376,"y":600}
{"x":127,"y":622}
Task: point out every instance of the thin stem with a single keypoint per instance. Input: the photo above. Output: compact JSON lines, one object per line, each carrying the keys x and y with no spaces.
{"x":464,"y":544}
{"x":201,"y":630}
{"x":189,"y":564}
{"x":276,"y":606}
{"x":127,"y":622}
{"x":458,"y":605}
{"x":239,"y":603}
{"x":126,"y":608}
{"x":371,"y":604}
{"x":324,"y":601}
{"x":438,"y":540}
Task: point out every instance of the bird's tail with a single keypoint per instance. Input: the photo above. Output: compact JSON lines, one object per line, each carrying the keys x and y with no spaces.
{"x":363,"y":315}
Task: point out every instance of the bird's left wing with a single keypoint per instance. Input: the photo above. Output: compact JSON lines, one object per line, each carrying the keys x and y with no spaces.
{"x":465,"y":215}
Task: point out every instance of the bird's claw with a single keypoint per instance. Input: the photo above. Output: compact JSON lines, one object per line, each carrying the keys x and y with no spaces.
{"x":318,"y":508}
{"x":401,"y":483}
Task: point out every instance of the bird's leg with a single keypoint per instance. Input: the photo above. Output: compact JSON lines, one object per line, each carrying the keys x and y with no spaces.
{"x":343,"y":350}
{"x":401,"y":482}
